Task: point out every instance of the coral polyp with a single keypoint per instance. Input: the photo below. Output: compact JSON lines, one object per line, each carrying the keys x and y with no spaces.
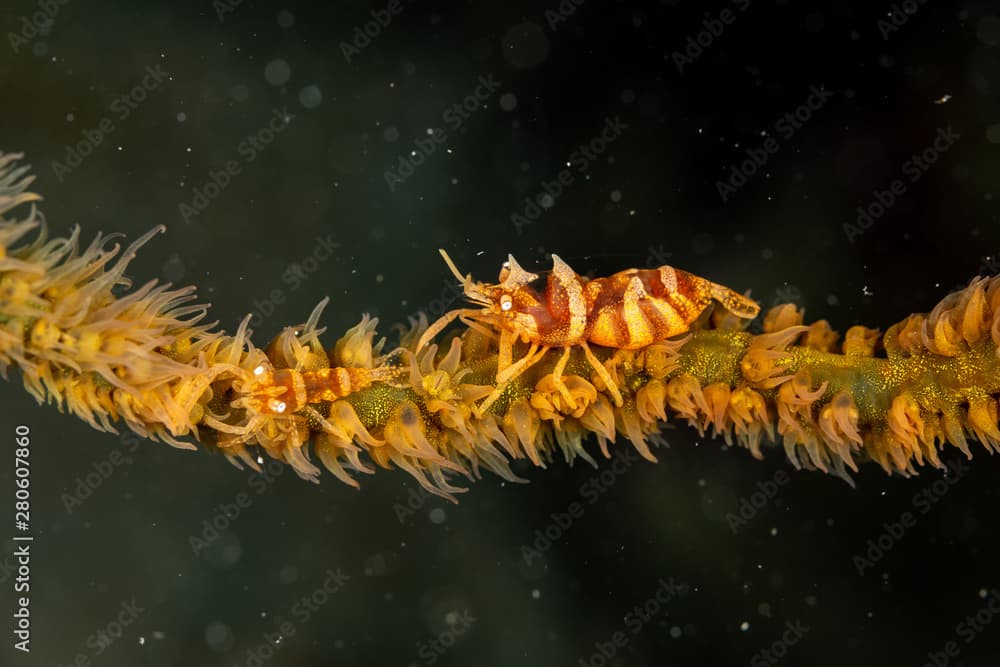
{"x":144,"y":360}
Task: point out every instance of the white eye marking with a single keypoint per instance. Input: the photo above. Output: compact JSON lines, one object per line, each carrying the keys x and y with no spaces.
{"x":276,"y":406}
{"x":506,"y":303}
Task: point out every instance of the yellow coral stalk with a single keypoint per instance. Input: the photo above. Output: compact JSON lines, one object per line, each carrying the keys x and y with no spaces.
{"x":144,"y":360}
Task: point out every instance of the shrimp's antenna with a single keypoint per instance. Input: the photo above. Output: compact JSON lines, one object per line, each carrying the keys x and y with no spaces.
{"x":454,"y":269}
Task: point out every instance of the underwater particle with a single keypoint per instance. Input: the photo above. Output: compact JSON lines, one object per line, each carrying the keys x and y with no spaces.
{"x":767,"y":253}
{"x":310,"y":96}
{"x":231,"y":553}
{"x":744,"y":626}
{"x":173,"y":269}
{"x":535,"y":594}
{"x":375,"y":566}
{"x":988,"y":30}
{"x":409,"y":67}
{"x":508,"y":101}
{"x":703,"y":244}
{"x":525,"y":45}
{"x":627,"y":96}
{"x":832,"y":300}
{"x":240,"y":92}
{"x":40,"y":48}
{"x":616,"y":196}
{"x":993,"y":133}
{"x":390,"y":134}
{"x":219,"y":637}
{"x":289,"y":574}
{"x":277,"y":72}
{"x":676,"y":632}
{"x":181,"y":116}
{"x":437,"y":515}
{"x":286,"y":19}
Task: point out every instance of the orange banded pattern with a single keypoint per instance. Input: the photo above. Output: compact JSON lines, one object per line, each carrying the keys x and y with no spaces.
{"x":559,"y":308}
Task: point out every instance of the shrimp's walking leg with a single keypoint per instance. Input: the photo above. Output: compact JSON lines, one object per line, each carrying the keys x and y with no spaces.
{"x":603,"y":373}
{"x":557,"y":377}
{"x":511,"y":373}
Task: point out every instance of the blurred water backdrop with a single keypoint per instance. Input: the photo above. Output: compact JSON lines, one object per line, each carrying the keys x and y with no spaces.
{"x":843,"y":156}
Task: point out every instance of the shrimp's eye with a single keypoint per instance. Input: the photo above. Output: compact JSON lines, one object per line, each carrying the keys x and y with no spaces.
{"x":506,"y":303}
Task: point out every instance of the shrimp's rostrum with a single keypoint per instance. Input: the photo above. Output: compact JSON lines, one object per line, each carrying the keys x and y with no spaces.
{"x":559,"y":308}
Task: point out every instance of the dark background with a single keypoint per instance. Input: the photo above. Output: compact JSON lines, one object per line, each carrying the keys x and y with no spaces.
{"x":651,"y":197}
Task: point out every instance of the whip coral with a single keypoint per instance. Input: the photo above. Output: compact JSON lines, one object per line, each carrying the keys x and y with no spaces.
{"x":145,"y":359}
